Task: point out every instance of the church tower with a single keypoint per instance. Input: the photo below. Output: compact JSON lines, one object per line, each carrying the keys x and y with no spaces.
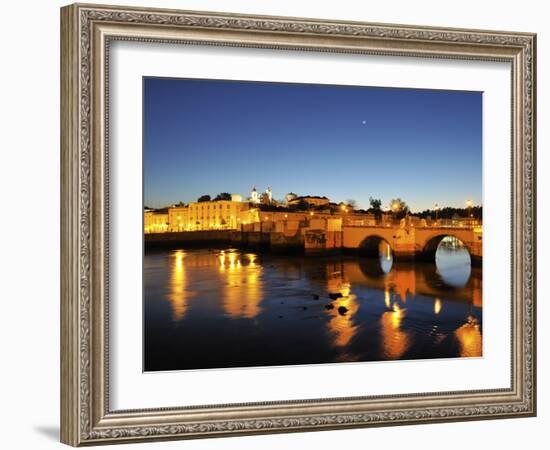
{"x":254,"y":198}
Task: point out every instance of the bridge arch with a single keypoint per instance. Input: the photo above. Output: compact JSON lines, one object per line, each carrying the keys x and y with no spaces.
{"x":432,"y":244}
{"x":454,"y":268}
{"x":381,"y":257}
{"x":370,"y":246}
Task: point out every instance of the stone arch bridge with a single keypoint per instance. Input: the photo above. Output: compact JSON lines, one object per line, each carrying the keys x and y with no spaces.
{"x":411,"y":242}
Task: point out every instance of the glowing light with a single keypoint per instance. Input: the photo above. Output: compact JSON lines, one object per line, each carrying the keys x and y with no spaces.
{"x":345,"y":289}
{"x":437,"y":306}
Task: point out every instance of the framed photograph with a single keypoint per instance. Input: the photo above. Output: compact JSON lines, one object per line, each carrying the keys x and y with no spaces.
{"x":274,"y":224}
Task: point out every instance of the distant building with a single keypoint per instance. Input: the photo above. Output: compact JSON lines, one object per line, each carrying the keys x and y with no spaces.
{"x":290,"y":196}
{"x":178,"y":217}
{"x":155,"y":220}
{"x":310,"y":200}
{"x":236,"y":198}
{"x":212,"y":215}
{"x":254,"y":196}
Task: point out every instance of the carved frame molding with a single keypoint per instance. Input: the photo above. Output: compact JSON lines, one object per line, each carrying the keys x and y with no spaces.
{"x":86,"y":32}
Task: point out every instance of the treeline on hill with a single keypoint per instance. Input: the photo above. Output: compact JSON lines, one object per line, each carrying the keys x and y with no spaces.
{"x":448,"y":213}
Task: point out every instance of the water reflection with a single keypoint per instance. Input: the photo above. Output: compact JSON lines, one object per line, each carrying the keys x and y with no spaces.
{"x":395,"y":340}
{"x":385,"y":256}
{"x":469,"y":339}
{"x":231,"y":308}
{"x":453,"y":262}
{"x":242,"y":291}
{"x":178,"y":295}
{"x":341,"y":323}
{"x":437,"y":306}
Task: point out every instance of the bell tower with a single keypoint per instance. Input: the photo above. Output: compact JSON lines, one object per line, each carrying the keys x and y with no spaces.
{"x":254,"y":198}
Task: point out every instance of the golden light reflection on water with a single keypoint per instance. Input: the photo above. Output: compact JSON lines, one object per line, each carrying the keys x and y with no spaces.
{"x":387,"y":298}
{"x":240,"y":287}
{"x":406,"y":281}
{"x":178,"y":295}
{"x":403,"y":282}
{"x":395,"y":341}
{"x":385,"y":250}
{"x":477,"y":295}
{"x":437,"y":306}
{"x":341,"y":323}
{"x":243,"y":287}
{"x":469,"y":340}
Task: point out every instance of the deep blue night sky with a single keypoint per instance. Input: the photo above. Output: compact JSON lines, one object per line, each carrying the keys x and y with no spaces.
{"x":345,"y":142}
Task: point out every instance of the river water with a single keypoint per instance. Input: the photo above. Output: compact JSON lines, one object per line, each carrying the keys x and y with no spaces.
{"x":217,"y":308}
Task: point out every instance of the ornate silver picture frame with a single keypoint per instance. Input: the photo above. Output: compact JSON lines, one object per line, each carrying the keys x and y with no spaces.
{"x":87,"y":32}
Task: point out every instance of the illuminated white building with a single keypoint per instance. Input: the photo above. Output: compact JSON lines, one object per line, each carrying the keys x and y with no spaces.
{"x":254,"y":196}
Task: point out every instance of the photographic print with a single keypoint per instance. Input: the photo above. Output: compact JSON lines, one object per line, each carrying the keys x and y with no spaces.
{"x":292,"y":224}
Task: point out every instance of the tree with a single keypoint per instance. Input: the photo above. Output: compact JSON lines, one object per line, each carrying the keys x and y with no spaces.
{"x":264,"y":198}
{"x":302,"y":205}
{"x":448,"y":212}
{"x":351,"y":203}
{"x":399,"y":208}
{"x":223,"y":196}
{"x":204,"y":198}
{"x":375,"y":207}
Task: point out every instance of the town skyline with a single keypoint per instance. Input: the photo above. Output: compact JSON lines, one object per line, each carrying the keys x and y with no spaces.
{"x":343,"y":142}
{"x":281,"y":200}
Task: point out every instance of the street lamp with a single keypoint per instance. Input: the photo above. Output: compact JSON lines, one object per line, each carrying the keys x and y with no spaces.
{"x":469,"y":204}
{"x":436,"y":207}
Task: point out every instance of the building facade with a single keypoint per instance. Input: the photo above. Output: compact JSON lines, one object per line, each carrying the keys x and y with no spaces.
{"x":156,"y":221}
{"x":215,"y":215}
{"x":178,"y":218}
{"x":310,"y":200}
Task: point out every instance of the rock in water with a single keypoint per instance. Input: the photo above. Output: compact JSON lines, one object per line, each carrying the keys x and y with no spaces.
{"x":315,"y":297}
{"x":329,"y":306}
{"x":342,"y":310}
{"x":335,"y":295}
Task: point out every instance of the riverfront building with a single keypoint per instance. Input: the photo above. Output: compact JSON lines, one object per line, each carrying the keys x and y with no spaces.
{"x":215,"y":215}
{"x":263,"y":213}
{"x":198,"y":216}
{"x":178,"y":218}
{"x":156,"y":221}
{"x":251,"y":215}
